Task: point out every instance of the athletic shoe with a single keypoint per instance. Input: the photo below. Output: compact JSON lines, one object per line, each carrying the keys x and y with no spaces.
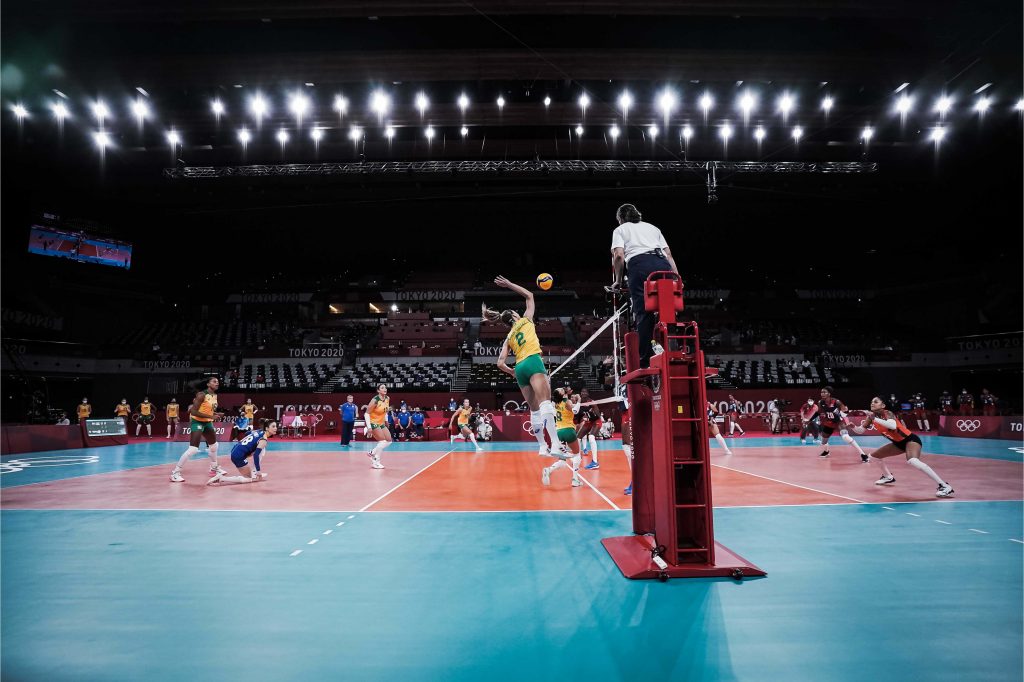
{"x":728,"y":452}
{"x":219,"y":471}
{"x":258,"y":476}
{"x":576,"y":482}
{"x":176,"y":477}
{"x":214,"y":479}
{"x":628,"y":490}
{"x":592,"y":466}
{"x":545,"y":476}
{"x":479,"y":449}
{"x":824,"y":453}
{"x":544,"y":451}
{"x":885,"y":480}
{"x":864,"y":457}
{"x":944,"y":490}
{"x":375,"y":464}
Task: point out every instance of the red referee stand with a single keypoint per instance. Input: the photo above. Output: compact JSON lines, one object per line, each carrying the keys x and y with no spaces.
{"x":673,"y":521}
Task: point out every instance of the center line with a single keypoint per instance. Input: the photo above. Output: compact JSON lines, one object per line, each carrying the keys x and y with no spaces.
{"x":1017,"y":541}
{"x":889,"y":508}
{"x":912,"y":514}
{"x":947,"y":523}
{"x":405,"y":481}
{"x":296,"y":553}
{"x":352,"y":516}
{"x":313,"y":541}
{"x":328,"y":531}
{"x":339,"y":524}
{"x":768,"y":478}
{"x":985,"y":532}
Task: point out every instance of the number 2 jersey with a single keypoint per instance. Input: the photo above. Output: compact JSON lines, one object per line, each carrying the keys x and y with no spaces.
{"x":522,"y":340}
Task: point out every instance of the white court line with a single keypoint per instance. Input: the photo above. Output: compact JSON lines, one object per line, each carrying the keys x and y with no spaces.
{"x":328,"y":532}
{"x":405,"y":481}
{"x":339,"y":524}
{"x":975,"y":530}
{"x":1017,"y":541}
{"x":313,"y":541}
{"x":795,"y":485}
{"x":352,"y":516}
{"x":889,"y":508}
{"x":591,"y":485}
{"x":912,"y":514}
{"x":945,"y":523}
{"x":296,"y":553}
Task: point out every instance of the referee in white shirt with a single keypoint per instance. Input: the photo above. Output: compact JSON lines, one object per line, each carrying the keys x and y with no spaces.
{"x":642,"y":249}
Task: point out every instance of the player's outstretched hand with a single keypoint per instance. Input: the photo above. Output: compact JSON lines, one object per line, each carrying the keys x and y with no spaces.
{"x":501,"y":281}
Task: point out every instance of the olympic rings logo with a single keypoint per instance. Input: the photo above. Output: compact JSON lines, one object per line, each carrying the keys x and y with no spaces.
{"x":528,"y":427}
{"x":968,"y":425}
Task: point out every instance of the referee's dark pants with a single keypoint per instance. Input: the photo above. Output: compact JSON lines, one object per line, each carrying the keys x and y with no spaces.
{"x":637,"y":270}
{"x":346,"y":431}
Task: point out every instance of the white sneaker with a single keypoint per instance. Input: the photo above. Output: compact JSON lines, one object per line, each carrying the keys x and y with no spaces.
{"x":576,"y":482}
{"x":545,"y":476}
{"x":885,"y":480}
{"x":544,"y":451}
{"x":945,"y":490}
{"x":375,"y":464}
{"x":213,"y":479}
{"x":176,"y":477}
{"x":218,"y":470}
{"x":728,"y":452}
{"x":258,"y":476}
{"x":479,"y":449}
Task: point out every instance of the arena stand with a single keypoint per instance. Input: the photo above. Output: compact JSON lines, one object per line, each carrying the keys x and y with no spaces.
{"x":419,"y":376}
{"x":279,"y":375}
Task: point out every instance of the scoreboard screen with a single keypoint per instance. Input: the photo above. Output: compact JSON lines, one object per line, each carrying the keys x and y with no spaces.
{"x":79,"y":246}
{"x":105,"y":427}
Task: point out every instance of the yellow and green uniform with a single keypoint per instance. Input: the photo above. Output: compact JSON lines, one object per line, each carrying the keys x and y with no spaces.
{"x":379,"y":412}
{"x":145,"y":412}
{"x":204,"y":420}
{"x":564,"y":422}
{"x":84,"y":411}
{"x":523,"y":342}
{"x":463,"y":418}
{"x":172,"y":411}
{"x":249,"y":411}
{"x":122,"y":410}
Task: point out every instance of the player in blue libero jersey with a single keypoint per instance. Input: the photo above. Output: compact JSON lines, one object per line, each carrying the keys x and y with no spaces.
{"x":253,"y":445}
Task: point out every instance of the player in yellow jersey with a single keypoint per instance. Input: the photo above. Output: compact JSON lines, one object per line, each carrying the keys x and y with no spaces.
{"x":376,"y":414}
{"x":565,"y":409}
{"x":530,"y":373}
{"x":146,"y":416}
{"x":202,"y":413}
{"x":463,"y":414}
{"x":84,"y":410}
{"x":171,"y":412}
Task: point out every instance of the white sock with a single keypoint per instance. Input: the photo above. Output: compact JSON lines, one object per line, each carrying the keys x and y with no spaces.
{"x":927,"y":426}
{"x":138,"y":427}
{"x":559,"y":463}
{"x":537,"y":423}
{"x":149,"y":430}
{"x":185,"y":457}
{"x":628,"y":449}
{"x":547,"y":411}
{"x":721,"y":441}
{"x":885,"y":469}
{"x":212,"y":451}
{"x":235,"y":479}
{"x":850,"y":441}
{"x":593,"y":447}
{"x":168,"y":430}
{"x":919,"y":425}
{"x":576,"y":459}
{"x":918,"y":464}
{"x":584,"y":445}
{"x":472,"y":439}
{"x":380,"y":448}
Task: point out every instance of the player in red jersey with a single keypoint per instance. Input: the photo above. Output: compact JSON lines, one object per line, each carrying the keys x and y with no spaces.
{"x":832,"y":416}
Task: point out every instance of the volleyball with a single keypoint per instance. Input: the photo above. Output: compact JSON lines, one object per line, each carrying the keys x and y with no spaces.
{"x":544,"y":281}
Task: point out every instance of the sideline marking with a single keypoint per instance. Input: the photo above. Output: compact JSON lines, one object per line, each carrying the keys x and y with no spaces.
{"x":947,"y":523}
{"x":296,"y":553}
{"x":983,"y":532}
{"x":405,"y":481}
{"x":795,"y":485}
{"x":313,"y":541}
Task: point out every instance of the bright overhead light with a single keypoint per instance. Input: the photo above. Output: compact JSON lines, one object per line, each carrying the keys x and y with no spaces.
{"x":355,"y":133}
{"x":299,"y":105}
{"x":827,"y":103}
{"x":667,"y":101}
{"x":759,"y":134}
{"x":101,"y":138}
{"x":173,"y":138}
{"x":786,"y":103}
{"x":937,"y":135}
{"x":725,"y":132}
{"x":652,"y":130}
{"x":217,"y":106}
{"x":687,"y":133}
{"x":944,"y":104}
{"x":463,"y":102}
{"x":798,"y":132}
{"x":464,"y":131}
{"x":389,"y":133}
{"x":394,"y":307}
{"x":341,"y":104}
{"x":625,"y":102}
{"x":904,"y":104}
{"x":140,"y":110}
{"x":20,"y":111}
{"x":706,"y":102}
{"x":282,"y":136}
{"x":429,"y":132}
{"x":244,"y":136}
{"x":100,"y":110}
{"x":1020,"y":105}
{"x":982,"y":104}
{"x":584,"y":102}
{"x":380,"y":102}
{"x":747,"y":103}
{"x":422,"y":102}
{"x":547,"y":101}
{"x":614,"y":132}
{"x":867,"y":133}
{"x":259,"y":107}
{"x":317,"y":134}
{"x":500,"y":102}
{"x":579,"y":131}
{"x":60,"y":110}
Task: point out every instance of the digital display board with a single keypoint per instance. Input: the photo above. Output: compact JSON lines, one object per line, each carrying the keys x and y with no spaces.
{"x":79,"y":246}
{"x":105,"y":427}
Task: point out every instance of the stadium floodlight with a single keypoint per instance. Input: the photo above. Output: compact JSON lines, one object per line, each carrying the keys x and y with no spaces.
{"x":282,"y":137}
{"x":422,"y":103}
{"x":726,"y":132}
{"x":19,"y":111}
{"x":389,"y":133}
{"x":101,"y":138}
{"x":464,"y":131}
{"x":579,"y":131}
{"x":299,"y":105}
{"x":341,"y":104}
{"x":355,"y":133}
{"x":747,"y":104}
{"x":982,"y":104}
{"x":244,"y":136}
{"x":687,"y":133}
{"x":1020,"y":105}
{"x":429,"y":132}
{"x":380,"y":103}
{"x":937,"y":135}
{"x":614,"y":132}
{"x":904,"y":104}
{"x":827,"y":103}
{"x":786,"y":104}
{"x":100,"y":111}
{"x":60,"y":111}
{"x":625,"y":102}
{"x":463,"y":102}
{"x":259,"y":107}
{"x":797,"y":133}
{"x":759,"y":134}
{"x":652,"y":130}
{"x":173,"y":138}
{"x":317,"y":134}
{"x":547,"y":101}
{"x":943,"y":105}
{"x":667,"y":101}
{"x":867,"y":133}
{"x":218,"y":108}
{"x":140,"y":110}
{"x":500,"y":102}
{"x":584,"y":102}
{"x":706,"y":102}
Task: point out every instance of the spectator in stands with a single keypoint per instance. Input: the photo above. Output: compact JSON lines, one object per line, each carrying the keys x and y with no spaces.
{"x":349,"y":412}
{"x":642,"y":249}
{"x":988,"y":403}
{"x":84,"y":410}
{"x":966,"y":402}
{"x":418,"y":418}
{"x":63,"y":421}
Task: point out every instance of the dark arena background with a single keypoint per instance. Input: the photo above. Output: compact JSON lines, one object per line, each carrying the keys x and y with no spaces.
{"x":305,"y":201}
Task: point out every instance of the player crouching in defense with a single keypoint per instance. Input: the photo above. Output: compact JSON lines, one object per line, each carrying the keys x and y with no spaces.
{"x":902,"y":441}
{"x":564,"y":410}
{"x":253,"y":445}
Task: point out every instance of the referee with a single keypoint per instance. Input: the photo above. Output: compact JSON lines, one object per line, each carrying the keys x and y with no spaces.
{"x":642,"y":249}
